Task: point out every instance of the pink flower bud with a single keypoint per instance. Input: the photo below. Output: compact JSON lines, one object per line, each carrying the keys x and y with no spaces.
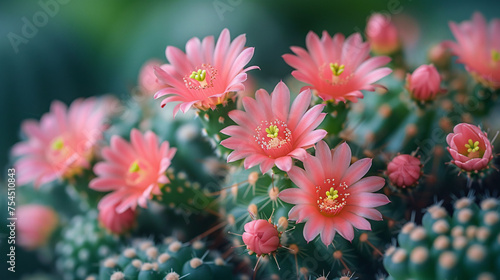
{"x":35,"y":224}
{"x":261,"y":237}
{"x":424,"y":83}
{"x":469,"y":147}
{"x":116,"y":222}
{"x":382,"y":34}
{"x":404,"y":171}
{"x":148,"y":82}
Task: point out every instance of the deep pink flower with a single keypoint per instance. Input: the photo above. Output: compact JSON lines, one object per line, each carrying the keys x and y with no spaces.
{"x":116,"y":222}
{"x":148,"y":82}
{"x":331,"y":196}
{"x":469,"y":147}
{"x":337,"y":69}
{"x":205,"y":76}
{"x":478,"y":47}
{"x":382,"y":34}
{"x":62,"y":143}
{"x":404,"y":170}
{"x":35,"y":224}
{"x":269,"y":132}
{"x":133,"y":171}
{"x":425,"y":83}
{"x":261,"y":237}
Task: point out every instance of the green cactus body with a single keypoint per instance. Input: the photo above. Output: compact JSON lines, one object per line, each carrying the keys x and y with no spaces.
{"x":83,"y":244}
{"x":171,"y":259}
{"x":462,"y":246}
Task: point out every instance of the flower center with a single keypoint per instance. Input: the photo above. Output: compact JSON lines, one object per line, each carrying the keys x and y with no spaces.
{"x":202,"y":78}
{"x":134,"y":167}
{"x":331,"y":201}
{"x":57,"y":144}
{"x":272,"y":131}
{"x":336,"y":69}
{"x":275,"y":139}
{"x":473,"y":149}
{"x":495,"y":55}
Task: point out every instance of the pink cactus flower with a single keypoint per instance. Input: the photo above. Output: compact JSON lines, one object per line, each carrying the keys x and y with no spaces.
{"x":132,"y":171}
{"x":35,"y":224}
{"x":404,"y":171}
{"x":205,"y":76}
{"x":424,"y":83}
{"x":469,"y":147}
{"x":261,"y":237}
{"x":149,"y":84}
{"x":382,"y":34}
{"x":116,"y":222}
{"x":269,"y":132}
{"x":337,"y":69}
{"x":478,"y":48}
{"x":332,"y":196}
{"x":62,"y":143}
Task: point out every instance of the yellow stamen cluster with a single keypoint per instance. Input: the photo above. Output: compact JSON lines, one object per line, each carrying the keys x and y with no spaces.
{"x":57,"y":144}
{"x":495,"y":55}
{"x":199,"y":75}
{"x":336,"y":68}
{"x":332,"y":194}
{"x":472,"y":146}
{"x":134,"y":167}
{"x":272,"y":131}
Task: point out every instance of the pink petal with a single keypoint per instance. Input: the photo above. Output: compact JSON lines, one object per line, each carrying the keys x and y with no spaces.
{"x":357,"y":170}
{"x":284,"y":163}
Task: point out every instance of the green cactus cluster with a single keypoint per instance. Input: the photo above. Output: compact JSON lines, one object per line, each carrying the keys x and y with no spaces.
{"x":83,"y":243}
{"x":464,"y":245}
{"x":169,"y":260}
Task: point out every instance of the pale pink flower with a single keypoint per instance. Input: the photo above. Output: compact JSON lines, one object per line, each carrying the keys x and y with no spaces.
{"x":261,"y":237}
{"x":148,"y":82}
{"x":331,"y":196}
{"x":337,"y":69}
{"x":404,"y":171}
{"x":478,"y":47}
{"x":424,"y":83}
{"x":116,"y":222}
{"x":132,"y":171}
{"x":205,"y":76}
{"x":34,"y":225}
{"x":62,"y":143}
{"x":382,"y":34}
{"x":269,"y":132}
{"x":469,"y":147}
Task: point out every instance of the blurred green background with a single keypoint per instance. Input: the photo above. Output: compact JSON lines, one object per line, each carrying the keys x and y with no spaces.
{"x":92,"y":47}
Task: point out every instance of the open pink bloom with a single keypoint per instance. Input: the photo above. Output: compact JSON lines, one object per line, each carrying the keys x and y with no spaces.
{"x":335,"y":68}
{"x":424,"y":83}
{"x":478,"y":47}
{"x":148,"y":82}
{"x":331,"y":196}
{"x":133,"y":171}
{"x":469,"y":147}
{"x":382,"y":34}
{"x":35,"y":224}
{"x":204,"y":76}
{"x":116,"y":222}
{"x":404,"y":171}
{"x":269,"y":132}
{"x":62,"y":143}
{"x":261,"y":237}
